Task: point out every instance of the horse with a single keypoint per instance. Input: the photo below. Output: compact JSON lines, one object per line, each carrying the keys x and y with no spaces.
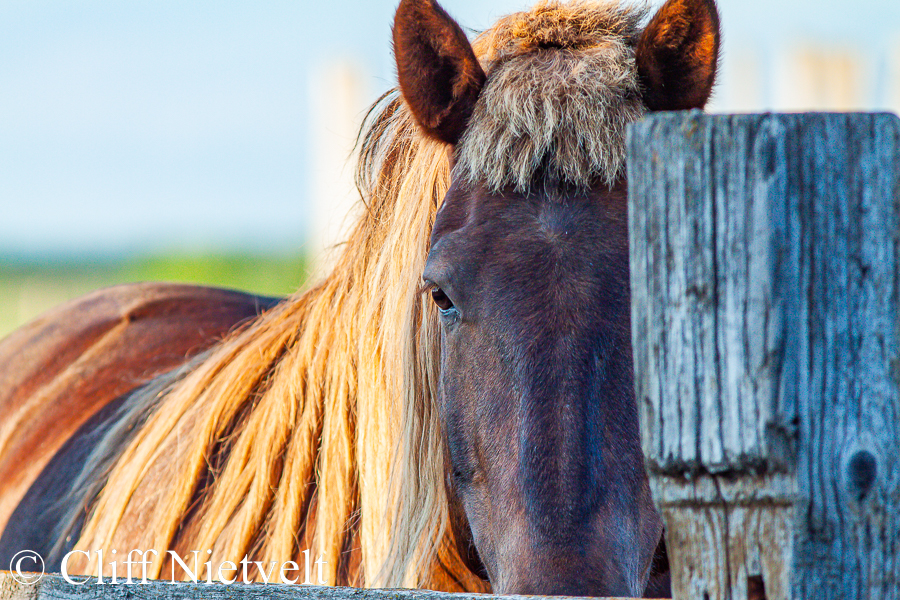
{"x":452,"y":407}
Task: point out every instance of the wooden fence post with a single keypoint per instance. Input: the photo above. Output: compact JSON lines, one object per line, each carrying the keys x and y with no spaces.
{"x":766,"y":326}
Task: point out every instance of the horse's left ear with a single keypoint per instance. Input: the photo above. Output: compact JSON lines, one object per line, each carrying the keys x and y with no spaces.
{"x":678,"y":54}
{"x":439,"y":75}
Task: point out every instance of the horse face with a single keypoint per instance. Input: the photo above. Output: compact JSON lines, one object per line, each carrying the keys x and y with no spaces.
{"x":545,"y":472}
{"x":536,"y":389}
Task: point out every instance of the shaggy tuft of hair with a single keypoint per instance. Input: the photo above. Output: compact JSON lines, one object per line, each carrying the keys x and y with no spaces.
{"x":562,"y":85}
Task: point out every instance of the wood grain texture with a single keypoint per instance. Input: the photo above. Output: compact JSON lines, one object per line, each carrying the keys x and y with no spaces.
{"x":60,"y":369}
{"x":10,"y":589}
{"x":764,"y":258}
{"x":54,"y":587}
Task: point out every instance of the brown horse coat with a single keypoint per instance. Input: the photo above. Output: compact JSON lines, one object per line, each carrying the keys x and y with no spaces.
{"x":59,"y":370}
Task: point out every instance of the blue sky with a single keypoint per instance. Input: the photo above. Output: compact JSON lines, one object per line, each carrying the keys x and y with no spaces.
{"x":137,"y":125}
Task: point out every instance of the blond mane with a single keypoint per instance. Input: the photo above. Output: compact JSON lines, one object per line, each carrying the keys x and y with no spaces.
{"x":316,"y":426}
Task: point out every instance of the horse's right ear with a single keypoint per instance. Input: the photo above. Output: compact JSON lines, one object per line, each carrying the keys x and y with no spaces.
{"x":678,"y":54}
{"x":440,"y":78}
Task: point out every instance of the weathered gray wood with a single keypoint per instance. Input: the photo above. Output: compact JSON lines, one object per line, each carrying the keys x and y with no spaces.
{"x":766,"y":329}
{"x":54,"y":587}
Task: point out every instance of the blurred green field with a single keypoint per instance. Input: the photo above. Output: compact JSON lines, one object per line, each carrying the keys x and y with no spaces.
{"x":28,"y":288}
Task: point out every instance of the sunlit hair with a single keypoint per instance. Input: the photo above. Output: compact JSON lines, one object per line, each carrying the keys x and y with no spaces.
{"x":562,"y":87}
{"x":316,"y":426}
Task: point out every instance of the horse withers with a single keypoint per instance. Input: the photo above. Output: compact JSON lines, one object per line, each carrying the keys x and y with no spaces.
{"x":452,"y":407}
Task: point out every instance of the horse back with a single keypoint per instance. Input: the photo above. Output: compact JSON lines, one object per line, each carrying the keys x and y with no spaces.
{"x":61,"y":369}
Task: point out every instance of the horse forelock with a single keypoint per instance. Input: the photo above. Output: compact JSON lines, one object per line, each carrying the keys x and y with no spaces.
{"x":562,"y":86}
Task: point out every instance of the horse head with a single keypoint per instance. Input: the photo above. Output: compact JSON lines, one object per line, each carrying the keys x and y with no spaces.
{"x":528,"y":268}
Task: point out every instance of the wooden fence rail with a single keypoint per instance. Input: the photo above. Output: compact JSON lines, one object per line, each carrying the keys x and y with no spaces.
{"x":766,"y":328}
{"x":54,"y":587}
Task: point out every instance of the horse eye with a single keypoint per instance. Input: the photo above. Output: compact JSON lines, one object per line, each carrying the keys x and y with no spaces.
{"x":441,"y":299}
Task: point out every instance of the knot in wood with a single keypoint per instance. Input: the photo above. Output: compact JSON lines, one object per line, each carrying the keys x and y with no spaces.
{"x":861,"y":472}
